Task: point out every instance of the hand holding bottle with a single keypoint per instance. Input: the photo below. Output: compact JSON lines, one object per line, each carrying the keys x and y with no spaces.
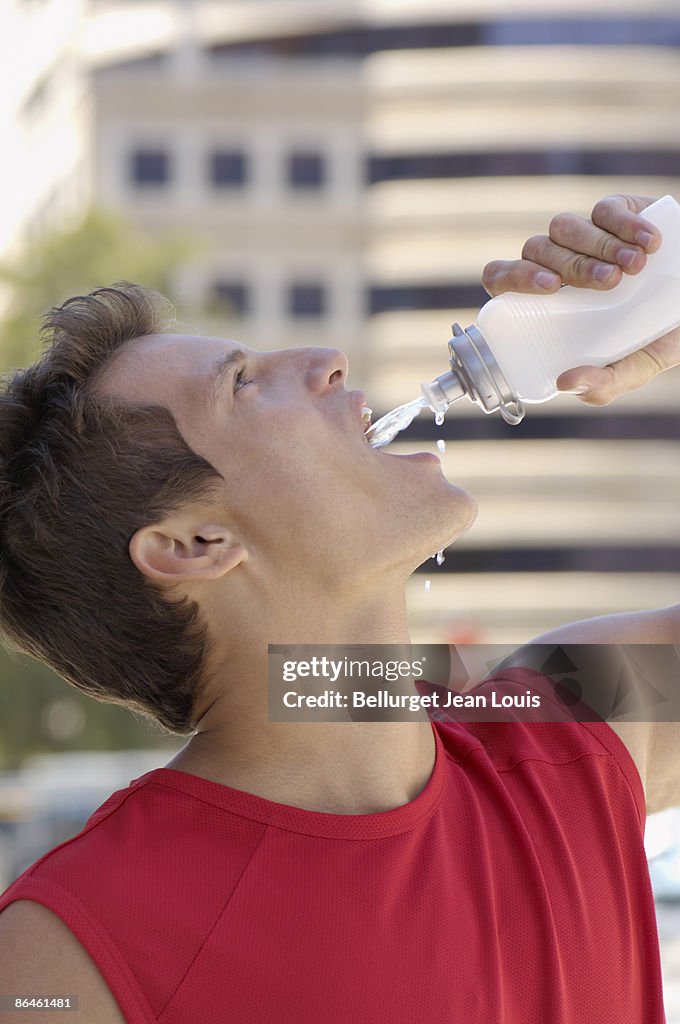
{"x":594,"y":254}
{"x":614,"y":327}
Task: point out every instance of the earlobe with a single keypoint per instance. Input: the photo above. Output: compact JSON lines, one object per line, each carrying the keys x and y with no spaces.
{"x":169,"y":553}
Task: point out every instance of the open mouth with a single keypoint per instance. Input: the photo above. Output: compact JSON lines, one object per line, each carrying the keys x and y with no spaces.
{"x":385,"y":429}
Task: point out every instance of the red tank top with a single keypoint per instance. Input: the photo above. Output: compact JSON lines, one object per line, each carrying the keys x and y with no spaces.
{"x":513,"y":890}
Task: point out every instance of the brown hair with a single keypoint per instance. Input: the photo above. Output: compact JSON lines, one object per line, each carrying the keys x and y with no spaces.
{"x":80,"y":473}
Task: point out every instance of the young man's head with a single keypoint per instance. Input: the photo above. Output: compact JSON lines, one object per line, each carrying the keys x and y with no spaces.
{"x":161,"y":494}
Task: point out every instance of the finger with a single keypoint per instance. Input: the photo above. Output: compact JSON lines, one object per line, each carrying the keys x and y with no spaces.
{"x":591,"y":255}
{"x":519,"y":276}
{"x":598,"y":386}
{"x":620,"y":215}
{"x":575,"y":268}
{"x":582,"y":236}
{"x":594,"y":386}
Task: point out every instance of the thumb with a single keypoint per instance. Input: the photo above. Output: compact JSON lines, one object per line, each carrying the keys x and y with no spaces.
{"x":598,"y":386}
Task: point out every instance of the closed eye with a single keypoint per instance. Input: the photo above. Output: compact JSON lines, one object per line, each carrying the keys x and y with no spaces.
{"x":240,"y":379}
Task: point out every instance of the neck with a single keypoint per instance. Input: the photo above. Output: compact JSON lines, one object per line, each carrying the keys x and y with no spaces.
{"x":340,"y":767}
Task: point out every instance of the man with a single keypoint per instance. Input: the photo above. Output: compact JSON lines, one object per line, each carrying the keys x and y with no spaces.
{"x":211,"y":501}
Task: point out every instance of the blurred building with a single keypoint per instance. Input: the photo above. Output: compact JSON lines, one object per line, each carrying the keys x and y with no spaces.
{"x":349,"y":169}
{"x":346,"y":170}
{"x":45,"y":171}
{"x":263,"y":167}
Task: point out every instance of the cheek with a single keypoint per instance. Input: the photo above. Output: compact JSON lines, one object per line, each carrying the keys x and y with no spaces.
{"x":270,"y":475}
{"x":289,"y":492}
{"x":292,"y":451}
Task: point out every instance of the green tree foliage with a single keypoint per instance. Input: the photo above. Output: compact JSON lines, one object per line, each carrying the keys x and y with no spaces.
{"x":102,"y":249}
{"x":38,"y":711}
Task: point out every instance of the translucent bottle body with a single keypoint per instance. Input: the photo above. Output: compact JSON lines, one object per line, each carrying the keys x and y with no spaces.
{"x":535,"y":338}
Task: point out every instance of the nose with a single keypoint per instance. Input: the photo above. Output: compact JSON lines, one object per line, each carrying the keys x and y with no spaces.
{"x":325,"y":368}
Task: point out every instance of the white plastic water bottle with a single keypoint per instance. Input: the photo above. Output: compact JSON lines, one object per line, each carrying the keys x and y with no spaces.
{"x":522,"y":343}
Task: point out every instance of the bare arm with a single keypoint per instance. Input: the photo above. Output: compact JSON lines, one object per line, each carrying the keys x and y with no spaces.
{"x":40,"y":956}
{"x":596,"y":253}
{"x":633,"y":662}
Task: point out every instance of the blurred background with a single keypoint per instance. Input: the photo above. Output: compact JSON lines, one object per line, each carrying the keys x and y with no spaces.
{"x":296,"y":172}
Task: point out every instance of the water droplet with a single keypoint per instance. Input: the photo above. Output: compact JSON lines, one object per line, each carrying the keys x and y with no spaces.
{"x":441,"y":444}
{"x":428,"y":584}
{"x":440,"y":557}
{"x":439,"y":418}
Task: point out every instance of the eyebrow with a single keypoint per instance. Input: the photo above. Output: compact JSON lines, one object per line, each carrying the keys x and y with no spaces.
{"x":221,"y":370}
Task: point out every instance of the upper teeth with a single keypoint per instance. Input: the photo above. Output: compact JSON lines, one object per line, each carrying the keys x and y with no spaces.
{"x":366,"y":414}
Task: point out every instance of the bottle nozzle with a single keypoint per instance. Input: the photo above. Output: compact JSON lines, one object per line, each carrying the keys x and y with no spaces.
{"x":442,"y":391}
{"x":474,"y":372}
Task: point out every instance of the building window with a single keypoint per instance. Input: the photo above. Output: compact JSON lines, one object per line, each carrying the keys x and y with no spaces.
{"x":150,"y":167}
{"x":504,"y":163}
{"x":306,"y":170}
{"x":228,"y":168}
{"x":359,"y":42}
{"x":383,"y":298}
{"x":307,"y":299}
{"x":231,"y":298}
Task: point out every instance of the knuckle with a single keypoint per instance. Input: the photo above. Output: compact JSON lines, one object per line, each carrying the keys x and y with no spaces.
{"x":490,"y":272}
{"x":559,"y":225}
{"x":614,"y":214}
{"x":605,"y":248}
{"x":534,"y":246}
{"x":507,"y":275}
{"x":604,"y":208}
{"x":581,"y":267}
{"x":653,"y":364}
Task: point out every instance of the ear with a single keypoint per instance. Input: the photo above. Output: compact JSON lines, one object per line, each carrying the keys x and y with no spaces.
{"x":180,"y":550}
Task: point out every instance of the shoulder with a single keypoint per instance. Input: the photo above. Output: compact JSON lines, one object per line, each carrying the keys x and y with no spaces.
{"x":627,"y":667}
{"x":40,"y":956}
{"x":123,"y":881}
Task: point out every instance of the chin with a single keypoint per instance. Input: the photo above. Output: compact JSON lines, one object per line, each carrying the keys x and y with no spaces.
{"x":452,"y":515}
{"x":462,"y":513}
{"x":467,"y":508}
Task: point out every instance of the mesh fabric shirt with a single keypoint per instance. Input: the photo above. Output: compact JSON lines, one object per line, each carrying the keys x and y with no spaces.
{"x":513,"y":889}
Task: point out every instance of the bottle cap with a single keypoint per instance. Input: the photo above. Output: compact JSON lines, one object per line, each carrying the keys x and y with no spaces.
{"x":474,"y":372}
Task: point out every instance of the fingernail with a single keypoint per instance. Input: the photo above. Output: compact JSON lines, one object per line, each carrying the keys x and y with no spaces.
{"x":602,"y":272}
{"x":581,"y":389}
{"x":644,"y":238}
{"x":626,"y":256}
{"x":544,"y":279}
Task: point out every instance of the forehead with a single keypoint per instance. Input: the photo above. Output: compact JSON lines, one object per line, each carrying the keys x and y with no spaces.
{"x":159,"y":367}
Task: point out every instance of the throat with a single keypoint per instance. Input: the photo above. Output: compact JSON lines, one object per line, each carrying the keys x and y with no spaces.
{"x":343,"y":768}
